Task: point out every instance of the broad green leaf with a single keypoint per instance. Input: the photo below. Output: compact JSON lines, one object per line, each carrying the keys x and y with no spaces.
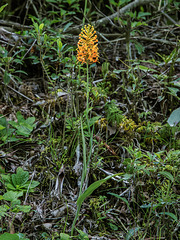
{"x":172,"y":215}
{"x":20,"y":178}
{"x":34,"y":184}
{"x":10,"y":139}
{"x":91,"y":189}
{"x":83,"y":235}
{"x":24,"y":209}
{"x":30,"y":120}
{"x":20,"y":117}
{"x":14,"y":203}
{"x":174,"y":118}
{"x":167,"y":175}
{"x":87,"y":193}
{"x":3,"y":211}
{"x":14,"y":124}
{"x":8,"y":236}
{"x":5,"y":178}
{"x":11,"y":195}
{"x":127,"y":176}
{"x":64,"y":236}
{"x":10,"y":187}
{"x":3,"y":121}
{"x":31,"y":185}
{"x":24,"y":129}
{"x":1,"y":127}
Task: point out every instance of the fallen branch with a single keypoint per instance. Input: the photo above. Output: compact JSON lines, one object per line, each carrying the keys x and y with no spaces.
{"x":129,"y":6}
{"x":14,"y":24}
{"x":17,"y":92}
{"x":161,"y":41}
{"x":105,"y":20}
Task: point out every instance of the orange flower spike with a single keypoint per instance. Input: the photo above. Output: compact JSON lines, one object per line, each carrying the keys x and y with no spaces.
{"x":87,"y":51}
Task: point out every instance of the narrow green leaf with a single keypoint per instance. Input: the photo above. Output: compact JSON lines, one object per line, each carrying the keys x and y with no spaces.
{"x":172,"y":215}
{"x":122,"y":198}
{"x":2,"y":7}
{"x":91,"y":189}
{"x":67,"y":26}
{"x":167,"y":175}
{"x":7,"y":77}
{"x":145,"y":69}
{"x":20,"y":71}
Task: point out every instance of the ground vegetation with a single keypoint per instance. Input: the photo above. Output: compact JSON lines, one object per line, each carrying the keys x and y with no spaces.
{"x":89,"y":119}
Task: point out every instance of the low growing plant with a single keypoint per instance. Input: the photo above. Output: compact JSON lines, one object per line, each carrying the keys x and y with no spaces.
{"x":11,"y":131}
{"x":18,"y":182}
{"x":16,"y":185}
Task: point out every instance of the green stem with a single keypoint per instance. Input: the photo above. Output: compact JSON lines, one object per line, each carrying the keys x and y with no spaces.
{"x":87,"y":97}
{"x":75,"y":219}
{"x":85,"y":9}
{"x":85,"y":160}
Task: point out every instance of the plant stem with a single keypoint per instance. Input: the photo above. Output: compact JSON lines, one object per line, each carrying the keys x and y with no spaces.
{"x":87,"y":98}
{"x":85,"y":8}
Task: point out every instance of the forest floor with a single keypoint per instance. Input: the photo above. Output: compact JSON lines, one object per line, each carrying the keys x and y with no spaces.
{"x":90,"y":151}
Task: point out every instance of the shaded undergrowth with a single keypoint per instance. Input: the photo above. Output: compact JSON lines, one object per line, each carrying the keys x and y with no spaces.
{"x":91,"y":152}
